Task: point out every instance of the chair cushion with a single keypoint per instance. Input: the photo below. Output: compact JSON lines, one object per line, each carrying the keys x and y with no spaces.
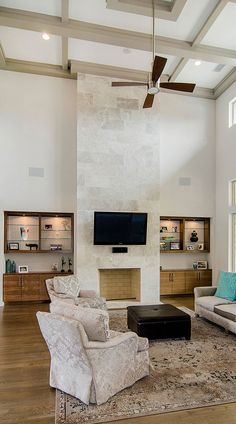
{"x":68,"y":285}
{"x":94,"y":321}
{"x":226,"y":311}
{"x":209,"y":302}
{"x":226,"y":286}
{"x":91,"y":302}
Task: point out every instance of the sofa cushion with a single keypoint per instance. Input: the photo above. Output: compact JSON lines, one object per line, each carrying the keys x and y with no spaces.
{"x":209,"y":302}
{"x":68,"y":285}
{"x":94,"y":321}
{"x":226,"y":286}
{"x":226,"y":311}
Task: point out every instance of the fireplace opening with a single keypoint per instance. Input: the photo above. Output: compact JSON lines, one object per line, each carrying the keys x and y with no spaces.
{"x":120,"y":283}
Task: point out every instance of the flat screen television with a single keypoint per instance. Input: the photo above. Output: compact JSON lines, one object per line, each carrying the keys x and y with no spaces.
{"x":120,"y":228}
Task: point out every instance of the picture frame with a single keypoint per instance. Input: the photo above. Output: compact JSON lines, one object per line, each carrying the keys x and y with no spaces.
{"x":200,"y":246}
{"x":13,"y":246}
{"x":201,"y":264}
{"x":189,"y":247}
{"x":55,"y":247}
{"x":163,"y":229}
{"x":23,"y":269}
{"x":174,"y":245}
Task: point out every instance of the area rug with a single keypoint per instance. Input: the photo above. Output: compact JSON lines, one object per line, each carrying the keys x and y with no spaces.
{"x":183,"y":375}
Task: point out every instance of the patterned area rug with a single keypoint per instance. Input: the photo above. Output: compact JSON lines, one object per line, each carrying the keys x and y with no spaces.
{"x":183,"y":374}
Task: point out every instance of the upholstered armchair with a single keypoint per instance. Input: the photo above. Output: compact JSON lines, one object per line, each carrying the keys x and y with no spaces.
{"x":69,"y":293}
{"x":87,"y":369}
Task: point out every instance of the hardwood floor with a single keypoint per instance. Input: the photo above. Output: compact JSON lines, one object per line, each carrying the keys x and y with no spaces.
{"x":25,"y":396}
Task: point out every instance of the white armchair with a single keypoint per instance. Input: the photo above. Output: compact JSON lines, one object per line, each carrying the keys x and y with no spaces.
{"x":92,"y":371}
{"x":87,"y":298}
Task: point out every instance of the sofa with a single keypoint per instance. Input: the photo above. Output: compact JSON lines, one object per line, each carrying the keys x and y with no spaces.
{"x":216,"y":309}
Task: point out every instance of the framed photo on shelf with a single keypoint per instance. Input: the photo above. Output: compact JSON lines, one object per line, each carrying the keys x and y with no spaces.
{"x":13,"y":246}
{"x":163,"y":229}
{"x":189,"y":247}
{"x":201,"y":264}
{"x":200,"y":246}
{"x":23,"y":268}
{"x":174,"y":245}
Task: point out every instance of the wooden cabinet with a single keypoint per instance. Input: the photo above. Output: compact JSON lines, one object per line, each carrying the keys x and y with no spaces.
{"x":172,"y":282}
{"x":184,"y":234}
{"x":26,"y":287}
{"x":197,"y":279}
{"x":11,"y":288}
{"x":183,"y":281}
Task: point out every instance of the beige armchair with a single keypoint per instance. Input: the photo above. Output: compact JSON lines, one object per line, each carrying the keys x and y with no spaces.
{"x":86,"y":298}
{"x":92,"y":371}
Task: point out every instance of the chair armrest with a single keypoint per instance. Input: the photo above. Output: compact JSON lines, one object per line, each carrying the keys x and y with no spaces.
{"x":87,"y":293}
{"x":114,"y":342}
{"x":204,"y":291}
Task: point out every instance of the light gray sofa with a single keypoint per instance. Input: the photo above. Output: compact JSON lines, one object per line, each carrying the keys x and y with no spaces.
{"x":215,"y":309}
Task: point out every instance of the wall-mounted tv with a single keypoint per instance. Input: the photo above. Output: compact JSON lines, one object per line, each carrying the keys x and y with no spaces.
{"x":120,"y":228}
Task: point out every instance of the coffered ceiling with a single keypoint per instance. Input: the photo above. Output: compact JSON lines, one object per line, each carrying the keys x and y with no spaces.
{"x":113,"y":37}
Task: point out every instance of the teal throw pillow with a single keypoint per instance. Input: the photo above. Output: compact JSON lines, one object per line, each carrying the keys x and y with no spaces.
{"x":226,"y":286}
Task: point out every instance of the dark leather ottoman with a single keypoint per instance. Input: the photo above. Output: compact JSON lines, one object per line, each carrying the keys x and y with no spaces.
{"x":159,"y":321}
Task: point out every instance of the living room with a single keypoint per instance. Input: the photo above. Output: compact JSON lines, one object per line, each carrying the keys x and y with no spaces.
{"x":75,"y":144}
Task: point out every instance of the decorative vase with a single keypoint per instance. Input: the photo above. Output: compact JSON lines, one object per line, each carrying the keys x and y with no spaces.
{"x":194,"y":237}
{"x":24,"y":233}
{"x":8,"y":265}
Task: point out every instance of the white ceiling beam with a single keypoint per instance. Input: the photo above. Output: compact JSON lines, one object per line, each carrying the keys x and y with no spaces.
{"x":64,"y":40}
{"x":130,"y":75}
{"x":225,"y":83}
{"x":201,"y":34}
{"x":178,"y":69}
{"x":113,"y":36}
{"x":36,"y":68}
{"x":64,"y":11}
{"x":209,"y":22}
{"x":2,"y":57}
{"x":64,"y":52}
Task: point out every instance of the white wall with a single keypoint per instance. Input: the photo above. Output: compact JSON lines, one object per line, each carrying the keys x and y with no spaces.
{"x":226,"y":171}
{"x":187,"y":149}
{"x":37,"y":129}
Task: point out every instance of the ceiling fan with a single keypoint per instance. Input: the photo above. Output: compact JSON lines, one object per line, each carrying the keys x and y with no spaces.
{"x":154,"y":84}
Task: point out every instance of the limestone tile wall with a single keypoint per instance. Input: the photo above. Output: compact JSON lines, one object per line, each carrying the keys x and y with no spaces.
{"x":117,"y":170}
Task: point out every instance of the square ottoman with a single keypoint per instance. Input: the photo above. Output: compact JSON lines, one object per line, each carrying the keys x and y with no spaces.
{"x":159,"y":321}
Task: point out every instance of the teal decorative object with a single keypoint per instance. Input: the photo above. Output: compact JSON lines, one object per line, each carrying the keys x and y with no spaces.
{"x":226,"y":286}
{"x":8,"y":265}
{"x":13,"y":266}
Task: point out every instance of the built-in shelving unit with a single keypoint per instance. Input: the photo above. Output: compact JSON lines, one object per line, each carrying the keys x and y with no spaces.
{"x":38,"y":232}
{"x":184,"y":234}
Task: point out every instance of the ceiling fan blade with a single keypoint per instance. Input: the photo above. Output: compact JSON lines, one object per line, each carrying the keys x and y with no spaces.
{"x":148,"y":101}
{"x":127,"y":84}
{"x":179,"y":86}
{"x":158,"y":66}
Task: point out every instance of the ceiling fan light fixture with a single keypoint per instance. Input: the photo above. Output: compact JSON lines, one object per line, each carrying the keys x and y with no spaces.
{"x":153,"y":90}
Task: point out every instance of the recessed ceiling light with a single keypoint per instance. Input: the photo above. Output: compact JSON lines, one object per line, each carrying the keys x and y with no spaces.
{"x":45,"y":36}
{"x":198,"y":62}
